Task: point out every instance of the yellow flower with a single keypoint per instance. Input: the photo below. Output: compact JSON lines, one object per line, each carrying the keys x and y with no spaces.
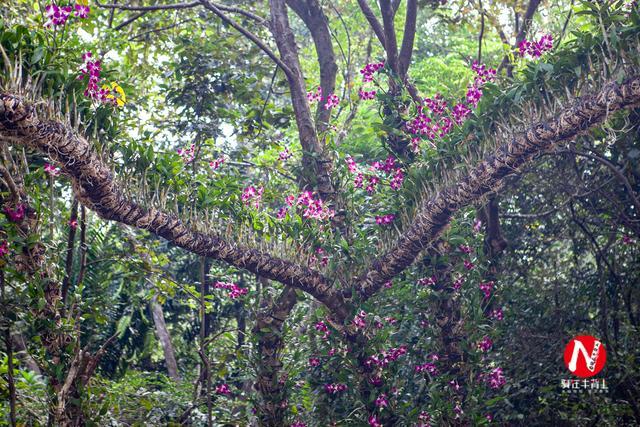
{"x":121,"y":99}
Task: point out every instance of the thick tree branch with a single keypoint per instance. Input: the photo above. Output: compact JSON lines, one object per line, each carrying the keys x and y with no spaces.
{"x":314,"y":18}
{"x":95,"y":188}
{"x":269,"y":328}
{"x":314,"y":158}
{"x":373,"y":21}
{"x":391,"y":43}
{"x":406,"y":51}
{"x":435,"y":213}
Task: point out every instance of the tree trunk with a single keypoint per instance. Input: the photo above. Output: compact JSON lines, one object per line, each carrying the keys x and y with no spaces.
{"x":165,"y":340}
{"x":269,"y":327}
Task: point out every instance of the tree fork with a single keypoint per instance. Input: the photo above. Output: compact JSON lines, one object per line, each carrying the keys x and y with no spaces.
{"x":96,"y":189}
{"x":435,"y":213}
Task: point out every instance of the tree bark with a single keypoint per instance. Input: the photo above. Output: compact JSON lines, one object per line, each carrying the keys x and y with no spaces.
{"x":314,"y":158}
{"x":434,"y":213}
{"x":310,"y":11}
{"x":95,"y":188}
{"x":269,"y":330}
{"x":165,"y":339}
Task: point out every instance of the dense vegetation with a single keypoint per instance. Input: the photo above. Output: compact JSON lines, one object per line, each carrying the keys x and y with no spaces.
{"x":318,"y":212}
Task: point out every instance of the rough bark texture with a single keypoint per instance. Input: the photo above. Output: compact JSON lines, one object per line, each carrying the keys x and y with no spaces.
{"x":313,"y":157}
{"x":165,"y":340}
{"x":95,"y":188}
{"x":435,"y":212}
{"x":315,"y":20}
{"x":268,"y":329}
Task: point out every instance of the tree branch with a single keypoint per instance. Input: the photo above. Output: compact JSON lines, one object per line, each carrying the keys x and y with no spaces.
{"x":314,"y":18}
{"x":406,"y":50}
{"x":619,"y":175}
{"x":248,"y":34}
{"x":314,"y":159}
{"x":129,"y":20}
{"x":373,"y":21}
{"x":149,"y":8}
{"x":95,"y":188}
{"x":391,"y":45}
{"x":435,"y":212}
{"x":522,"y":32}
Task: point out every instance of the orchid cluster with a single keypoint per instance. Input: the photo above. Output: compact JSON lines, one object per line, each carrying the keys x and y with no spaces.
{"x":430,"y":121}
{"x":187,"y":154}
{"x":434,"y":120}
{"x":495,"y":378}
{"x":386,"y":169}
{"x":57,"y":16}
{"x":322,"y":327}
{"x":485,"y":344}
{"x":383,"y":359}
{"x":367,"y":76}
{"x":382,"y":401}
{"x":457,"y":284}
{"x":332,"y":99}
{"x":215,"y":164}
{"x":390,"y":320}
{"x":106,"y":94}
{"x":483,"y":75}
{"x":4,"y":248}
{"x":373,"y":421}
{"x":486,"y":289}
{"x":335,"y":388}
{"x":235,"y":291}
{"x":457,"y":409}
{"x":251,"y":195}
{"x":424,"y":419}
{"x":535,"y":49}
{"x":366,"y":95}
{"x":315,"y":96}
{"x":51,"y":170}
{"x":369,"y":70}
{"x":314,"y":362}
{"x":298,"y":423}
{"x":496,"y":314}
{"x":319,"y":258}
{"x":427,"y":281}
{"x":429,"y":367}
{"x":466,"y":249}
{"x":223,"y":389}
{"x":284,"y":155}
{"x":385,"y":219}
{"x":359,"y":320}
{"x":17,"y":214}
{"x":312,"y":208}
